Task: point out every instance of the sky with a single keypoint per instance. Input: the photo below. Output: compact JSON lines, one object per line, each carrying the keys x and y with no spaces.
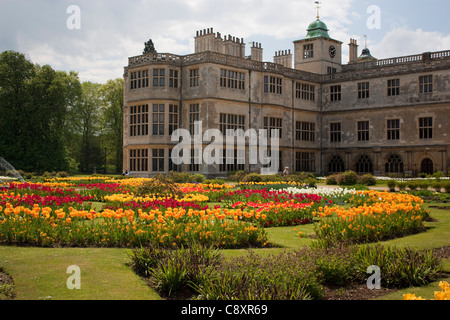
{"x":96,"y":39}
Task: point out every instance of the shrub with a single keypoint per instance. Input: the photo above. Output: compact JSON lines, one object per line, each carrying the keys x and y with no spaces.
{"x":300,"y":177}
{"x":367,"y":180}
{"x":272,"y":178}
{"x":438,"y":175}
{"x":214,"y":181}
{"x":172,"y":271}
{"x":348,"y":178}
{"x":402,"y":185}
{"x":197,"y":178}
{"x":437,"y":185}
{"x":62,"y":174}
{"x":46,"y":175}
{"x":446,"y":186}
{"x":159,"y":186}
{"x":311,"y":182}
{"x":237,"y":176}
{"x":291,"y":275}
{"x":332,"y":180}
{"x":24,"y":174}
{"x":143,"y":260}
{"x":413,"y":185}
{"x":252,"y":177}
{"x":444,"y":197}
{"x":202,"y":271}
{"x":335,"y":266}
{"x":394,"y":175}
{"x":304,"y":178}
{"x":286,"y":276}
{"x":423,"y":184}
{"x":391,"y":185}
{"x":185,"y":267}
{"x":169,"y":275}
{"x":179,"y":177}
{"x":401,"y":267}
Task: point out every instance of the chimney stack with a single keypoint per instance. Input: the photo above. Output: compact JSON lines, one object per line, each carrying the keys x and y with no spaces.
{"x":353,"y":51}
{"x":257,"y":52}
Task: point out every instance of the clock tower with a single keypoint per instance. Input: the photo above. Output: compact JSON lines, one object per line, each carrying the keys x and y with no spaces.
{"x":318,"y":53}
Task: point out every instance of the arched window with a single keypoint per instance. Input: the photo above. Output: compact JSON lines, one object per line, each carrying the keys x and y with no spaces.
{"x":395,"y":164}
{"x":364,"y":164}
{"x":427,"y":166}
{"x":336,"y":165}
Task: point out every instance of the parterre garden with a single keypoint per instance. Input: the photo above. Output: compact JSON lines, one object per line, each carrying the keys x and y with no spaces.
{"x":179,"y":235}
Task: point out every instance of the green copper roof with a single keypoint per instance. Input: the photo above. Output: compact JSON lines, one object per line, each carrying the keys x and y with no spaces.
{"x":366,"y":55}
{"x":317,"y":29}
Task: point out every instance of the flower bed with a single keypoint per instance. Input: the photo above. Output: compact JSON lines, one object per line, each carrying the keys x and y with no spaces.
{"x":276,"y":208}
{"x":59,"y":213}
{"x":68,"y":220}
{"x":372,"y":216}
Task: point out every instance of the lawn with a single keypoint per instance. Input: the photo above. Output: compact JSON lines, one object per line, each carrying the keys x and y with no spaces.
{"x":41,"y":273}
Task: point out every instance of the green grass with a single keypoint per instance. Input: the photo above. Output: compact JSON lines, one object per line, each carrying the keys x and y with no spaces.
{"x":288,"y":237}
{"x":426,"y":292}
{"x":437,"y":235}
{"x":41,"y":273}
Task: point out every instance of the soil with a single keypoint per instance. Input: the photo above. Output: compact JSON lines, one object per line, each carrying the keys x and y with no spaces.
{"x":443,"y":253}
{"x":5,"y":279}
{"x":354,"y":291}
{"x":441,"y":208}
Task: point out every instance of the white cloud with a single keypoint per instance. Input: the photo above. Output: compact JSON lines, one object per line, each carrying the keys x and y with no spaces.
{"x":111,"y":31}
{"x":405,"y":41}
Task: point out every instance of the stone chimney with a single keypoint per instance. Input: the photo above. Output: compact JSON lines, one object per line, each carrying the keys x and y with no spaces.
{"x":353,"y":51}
{"x":257,"y":52}
{"x":283,"y":57}
{"x":205,"y":40}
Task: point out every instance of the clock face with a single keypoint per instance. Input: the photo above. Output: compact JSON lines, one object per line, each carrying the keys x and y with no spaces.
{"x":332,"y":51}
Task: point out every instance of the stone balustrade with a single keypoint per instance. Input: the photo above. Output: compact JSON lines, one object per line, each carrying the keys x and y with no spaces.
{"x":352,"y":71}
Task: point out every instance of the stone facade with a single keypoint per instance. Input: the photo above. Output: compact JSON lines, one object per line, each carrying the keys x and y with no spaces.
{"x":374,"y":116}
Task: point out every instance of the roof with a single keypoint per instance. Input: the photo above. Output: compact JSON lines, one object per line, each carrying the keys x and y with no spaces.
{"x":317,"y":29}
{"x":366,"y":55}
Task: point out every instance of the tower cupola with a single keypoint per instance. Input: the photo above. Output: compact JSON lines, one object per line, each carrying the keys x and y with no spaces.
{"x":317,"y":29}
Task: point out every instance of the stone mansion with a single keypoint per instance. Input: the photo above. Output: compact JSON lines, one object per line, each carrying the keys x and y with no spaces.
{"x":369,"y":115}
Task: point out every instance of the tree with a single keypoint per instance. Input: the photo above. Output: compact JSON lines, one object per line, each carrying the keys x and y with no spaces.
{"x":85,"y":119}
{"x":111,"y":95}
{"x":74,"y":93}
{"x":49,"y":108}
{"x":15,"y":74}
{"x":149,"y":47}
{"x":33,"y":106}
